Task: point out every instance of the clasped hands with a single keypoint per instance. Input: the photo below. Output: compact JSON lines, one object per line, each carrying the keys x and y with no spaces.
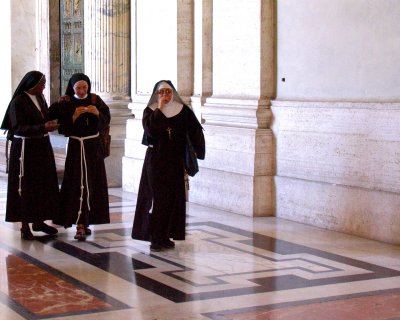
{"x":83,"y":109}
{"x":51,"y":125}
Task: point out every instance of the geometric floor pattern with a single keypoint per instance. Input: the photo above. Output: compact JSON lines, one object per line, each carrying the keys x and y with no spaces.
{"x":229,"y":267}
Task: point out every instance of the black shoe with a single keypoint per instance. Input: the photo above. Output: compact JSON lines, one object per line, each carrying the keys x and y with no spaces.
{"x":155,"y":247}
{"x":168,"y":244}
{"x":26,"y":234}
{"x":44,"y":228}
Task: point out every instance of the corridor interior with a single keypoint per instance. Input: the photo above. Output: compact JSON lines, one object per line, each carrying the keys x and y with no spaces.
{"x":229,"y":267}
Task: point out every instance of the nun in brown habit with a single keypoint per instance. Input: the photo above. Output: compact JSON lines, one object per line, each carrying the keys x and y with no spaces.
{"x":84,"y":192}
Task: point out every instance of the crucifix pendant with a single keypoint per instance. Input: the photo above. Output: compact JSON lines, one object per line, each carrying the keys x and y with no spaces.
{"x":169,"y":130}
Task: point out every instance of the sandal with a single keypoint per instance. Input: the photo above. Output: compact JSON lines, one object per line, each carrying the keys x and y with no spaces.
{"x":88,"y":232}
{"x":80,"y":233}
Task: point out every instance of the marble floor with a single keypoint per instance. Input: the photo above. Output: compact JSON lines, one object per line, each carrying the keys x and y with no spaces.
{"x":230,"y":267}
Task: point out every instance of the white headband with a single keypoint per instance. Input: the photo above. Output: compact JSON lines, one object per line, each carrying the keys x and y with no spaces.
{"x":164,"y":85}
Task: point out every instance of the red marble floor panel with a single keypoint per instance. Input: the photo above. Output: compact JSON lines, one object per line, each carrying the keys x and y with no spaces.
{"x":41,"y":292}
{"x":376,"y":307}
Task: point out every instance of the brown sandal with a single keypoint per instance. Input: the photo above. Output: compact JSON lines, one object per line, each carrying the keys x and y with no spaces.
{"x":88,"y":232}
{"x":80,"y":233}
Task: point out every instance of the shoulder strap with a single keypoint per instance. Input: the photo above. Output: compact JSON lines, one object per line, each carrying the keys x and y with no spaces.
{"x":93,"y":98}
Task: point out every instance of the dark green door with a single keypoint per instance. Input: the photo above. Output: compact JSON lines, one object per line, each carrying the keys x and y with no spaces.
{"x":71,"y":15}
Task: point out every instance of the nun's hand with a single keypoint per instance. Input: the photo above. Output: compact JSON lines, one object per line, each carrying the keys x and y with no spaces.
{"x":162,"y":101}
{"x":78,"y":112}
{"x":93,"y":110}
{"x":51,"y":125}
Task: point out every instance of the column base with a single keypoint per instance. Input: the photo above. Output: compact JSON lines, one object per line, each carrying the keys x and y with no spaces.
{"x":119,"y":115}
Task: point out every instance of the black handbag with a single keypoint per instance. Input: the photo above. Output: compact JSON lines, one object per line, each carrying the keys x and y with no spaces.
{"x":191,"y":165}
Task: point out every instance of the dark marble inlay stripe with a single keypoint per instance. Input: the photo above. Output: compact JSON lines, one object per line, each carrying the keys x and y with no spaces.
{"x":285,"y":248}
{"x":234,"y":247}
{"x":124,"y":267}
{"x":18,"y":308}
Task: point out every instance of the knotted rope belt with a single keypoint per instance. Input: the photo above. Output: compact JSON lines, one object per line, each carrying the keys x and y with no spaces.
{"x":22,"y":158}
{"x":83,"y":172}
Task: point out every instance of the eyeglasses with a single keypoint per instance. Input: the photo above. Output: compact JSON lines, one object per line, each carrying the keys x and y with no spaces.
{"x":164,"y":91}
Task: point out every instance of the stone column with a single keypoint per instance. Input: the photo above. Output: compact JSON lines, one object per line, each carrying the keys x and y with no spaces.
{"x":107,"y":63}
{"x":239,"y":158}
{"x":48,"y":46}
{"x":162,"y":48}
{"x":48,"y":61}
{"x":202,"y":54}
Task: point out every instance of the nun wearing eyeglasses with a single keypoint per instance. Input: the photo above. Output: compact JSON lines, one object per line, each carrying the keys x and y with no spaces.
{"x":32,"y":192}
{"x":161,"y":203}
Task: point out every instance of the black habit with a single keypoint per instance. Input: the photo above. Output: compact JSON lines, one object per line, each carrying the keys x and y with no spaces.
{"x":33,"y":197}
{"x":161,"y":204}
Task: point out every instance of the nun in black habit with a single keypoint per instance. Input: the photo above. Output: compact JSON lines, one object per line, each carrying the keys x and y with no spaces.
{"x":84,"y":192}
{"x":32,"y":193}
{"x":161,"y":205}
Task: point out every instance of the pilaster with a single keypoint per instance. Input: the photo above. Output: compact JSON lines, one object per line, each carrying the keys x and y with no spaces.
{"x":162,"y":48}
{"x":239,"y":159}
{"x":202,"y":88}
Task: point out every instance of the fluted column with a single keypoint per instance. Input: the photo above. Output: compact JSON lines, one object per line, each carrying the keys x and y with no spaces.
{"x":107,"y":47}
{"x":107,"y":63}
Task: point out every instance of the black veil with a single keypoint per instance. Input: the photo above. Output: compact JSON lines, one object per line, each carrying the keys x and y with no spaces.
{"x":30,"y":80}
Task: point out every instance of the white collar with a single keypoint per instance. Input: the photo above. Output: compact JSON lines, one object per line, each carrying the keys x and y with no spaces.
{"x":77,"y":97}
{"x":171,"y":109}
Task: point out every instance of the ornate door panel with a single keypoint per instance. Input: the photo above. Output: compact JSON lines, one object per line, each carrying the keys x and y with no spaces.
{"x":71,"y":15}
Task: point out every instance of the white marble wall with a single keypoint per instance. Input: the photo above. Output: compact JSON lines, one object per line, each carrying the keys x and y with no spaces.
{"x":342,"y":50}
{"x":336,"y":115}
{"x":338,"y":166}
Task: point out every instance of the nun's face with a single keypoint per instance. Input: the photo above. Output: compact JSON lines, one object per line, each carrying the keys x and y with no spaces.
{"x":38,"y":89}
{"x":81,"y":88}
{"x":164,"y":94}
